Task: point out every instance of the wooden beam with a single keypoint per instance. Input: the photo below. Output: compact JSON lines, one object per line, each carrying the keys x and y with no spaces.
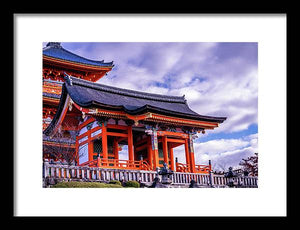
{"x":122,"y":127}
{"x":176,"y":140}
{"x":169,"y":133}
{"x":174,"y":145}
{"x":116,"y":134}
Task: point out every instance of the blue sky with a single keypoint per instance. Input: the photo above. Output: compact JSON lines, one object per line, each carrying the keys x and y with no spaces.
{"x":217,"y":79}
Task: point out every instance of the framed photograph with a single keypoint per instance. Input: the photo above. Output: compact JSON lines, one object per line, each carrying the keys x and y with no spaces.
{"x":140,"y":111}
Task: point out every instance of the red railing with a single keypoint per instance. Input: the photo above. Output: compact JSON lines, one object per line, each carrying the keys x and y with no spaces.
{"x":202,"y":168}
{"x":198,"y":168}
{"x":182,"y":167}
{"x":118,"y":164}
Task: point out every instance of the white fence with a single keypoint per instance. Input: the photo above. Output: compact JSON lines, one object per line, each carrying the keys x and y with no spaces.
{"x":79,"y":173}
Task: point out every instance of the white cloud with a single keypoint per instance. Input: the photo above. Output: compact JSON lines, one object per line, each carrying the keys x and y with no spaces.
{"x":226,"y":152}
{"x":223,"y":153}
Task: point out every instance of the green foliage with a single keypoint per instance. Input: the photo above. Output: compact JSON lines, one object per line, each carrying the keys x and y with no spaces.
{"x":75,"y":184}
{"x":115,"y":182}
{"x":132,"y":183}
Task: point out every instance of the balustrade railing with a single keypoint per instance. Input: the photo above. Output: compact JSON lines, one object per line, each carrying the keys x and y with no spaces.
{"x":180,"y":167}
{"x":87,"y":173}
{"x":198,"y":168}
{"x":202,"y":168}
{"x":118,"y":164}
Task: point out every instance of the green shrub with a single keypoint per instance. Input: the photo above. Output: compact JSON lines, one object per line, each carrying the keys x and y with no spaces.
{"x":132,"y":183}
{"x":115,"y":182}
{"x":75,"y":184}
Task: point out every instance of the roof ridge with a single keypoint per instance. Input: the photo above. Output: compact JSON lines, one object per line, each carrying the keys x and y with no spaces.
{"x":127,"y":92}
{"x":100,"y":62}
{"x":58,"y":46}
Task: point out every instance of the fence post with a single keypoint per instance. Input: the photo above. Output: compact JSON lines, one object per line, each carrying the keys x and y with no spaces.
{"x":210,"y":175}
{"x":46,"y":169}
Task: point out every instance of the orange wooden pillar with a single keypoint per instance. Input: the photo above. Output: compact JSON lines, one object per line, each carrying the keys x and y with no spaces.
{"x":104,"y":142}
{"x":187,"y":153}
{"x":171,"y":159}
{"x":90,"y":145}
{"x":130,"y":144}
{"x":165,"y":149}
{"x":76,"y":151}
{"x":116,"y":148}
{"x":149,"y":152}
{"x":154,"y":143}
{"x":193,"y":165}
{"x":192,"y":155}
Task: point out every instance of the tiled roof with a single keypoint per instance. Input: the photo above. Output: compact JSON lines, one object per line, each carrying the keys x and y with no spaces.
{"x":90,"y":95}
{"x":55,"y":50}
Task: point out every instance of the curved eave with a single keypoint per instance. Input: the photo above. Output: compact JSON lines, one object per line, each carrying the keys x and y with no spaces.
{"x":148,"y":116}
{"x":151,"y":109}
{"x":57,"y":117}
{"x":77,"y":65}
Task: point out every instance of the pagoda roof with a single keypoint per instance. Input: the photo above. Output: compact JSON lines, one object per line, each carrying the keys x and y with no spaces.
{"x":55,"y":50}
{"x":93,"y":95}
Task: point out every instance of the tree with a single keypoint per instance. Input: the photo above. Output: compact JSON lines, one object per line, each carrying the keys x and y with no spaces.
{"x":62,"y":148}
{"x":250,"y":165}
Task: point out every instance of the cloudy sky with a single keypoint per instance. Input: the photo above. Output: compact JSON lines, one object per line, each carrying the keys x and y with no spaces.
{"x":217,"y":79}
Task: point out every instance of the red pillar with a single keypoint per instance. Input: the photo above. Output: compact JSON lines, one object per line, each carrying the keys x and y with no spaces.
{"x":165,"y":149}
{"x":104,"y":143}
{"x":154,"y":143}
{"x":187,"y":154}
{"x":192,"y":155}
{"x":130,"y":144}
{"x":155,"y":159}
{"x":171,"y":159}
{"x":90,"y":145}
{"x":192,"y":158}
{"x":76,"y":151}
{"x":116,"y":148}
{"x":150,"y":154}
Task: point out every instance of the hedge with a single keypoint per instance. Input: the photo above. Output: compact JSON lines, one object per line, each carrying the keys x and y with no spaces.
{"x":115,"y":182}
{"x":132,"y":183}
{"x":75,"y":184}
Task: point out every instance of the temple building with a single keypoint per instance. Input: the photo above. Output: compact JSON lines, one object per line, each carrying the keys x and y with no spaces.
{"x":101,"y":120}
{"x":56,"y":62}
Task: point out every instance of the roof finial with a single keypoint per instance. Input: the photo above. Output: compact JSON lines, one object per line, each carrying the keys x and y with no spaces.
{"x":68,"y":78}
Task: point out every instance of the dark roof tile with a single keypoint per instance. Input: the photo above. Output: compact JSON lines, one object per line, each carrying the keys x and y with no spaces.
{"x":89,"y":95}
{"x":55,"y":50}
